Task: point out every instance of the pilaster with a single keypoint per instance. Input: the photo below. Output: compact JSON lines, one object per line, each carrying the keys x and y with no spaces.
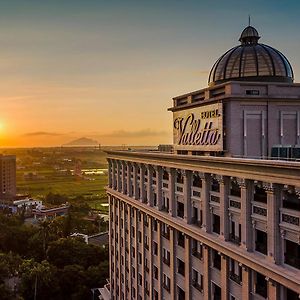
{"x":224,"y":191}
{"x":172,"y":179}
{"x":187,"y":185}
{"x":246,"y":285}
{"x":206,"y":273}
{"x":247,"y":192}
{"x":207,"y":223}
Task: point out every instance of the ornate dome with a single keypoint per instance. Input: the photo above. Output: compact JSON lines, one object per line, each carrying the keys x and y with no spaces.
{"x":251,"y":61}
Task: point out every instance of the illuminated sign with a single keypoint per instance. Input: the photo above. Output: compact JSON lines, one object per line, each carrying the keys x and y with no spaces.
{"x":199,"y":129}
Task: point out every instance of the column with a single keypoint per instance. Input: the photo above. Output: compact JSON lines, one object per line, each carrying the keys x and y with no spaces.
{"x":224,"y":277}
{"x":273,"y":289}
{"x":118,"y":176}
{"x":129,"y":184}
{"x":135,"y":185}
{"x":206,"y":181}
{"x":206,"y":273}
{"x":142,"y":183}
{"x":246,"y":286}
{"x":172,"y":264}
{"x":224,"y":191}
{"x":124,"y":188}
{"x":159,"y":174}
{"x":149,"y":186}
{"x":109,"y":172}
{"x":187,"y":195}
{"x":129,"y":237}
{"x":187,"y":271}
{"x":247,"y":192}
{"x":150,"y":224}
{"x":159,"y":256}
{"x":274,"y":240}
{"x":173,"y":202}
{"x":114,"y":183}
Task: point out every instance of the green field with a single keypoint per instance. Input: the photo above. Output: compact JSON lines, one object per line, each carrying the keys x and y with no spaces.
{"x":44,"y":170}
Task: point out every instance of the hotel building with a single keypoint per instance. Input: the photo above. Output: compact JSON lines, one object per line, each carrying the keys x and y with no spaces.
{"x":217,"y":218}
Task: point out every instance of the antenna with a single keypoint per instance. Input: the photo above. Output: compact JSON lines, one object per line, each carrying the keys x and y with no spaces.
{"x":249,"y":20}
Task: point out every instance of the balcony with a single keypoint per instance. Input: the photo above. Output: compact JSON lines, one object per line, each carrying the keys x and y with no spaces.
{"x":260,"y":211}
{"x":214,"y":198}
{"x":196,"y":193}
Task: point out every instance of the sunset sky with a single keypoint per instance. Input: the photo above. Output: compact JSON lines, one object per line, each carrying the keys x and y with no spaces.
{"x":108,"y":70}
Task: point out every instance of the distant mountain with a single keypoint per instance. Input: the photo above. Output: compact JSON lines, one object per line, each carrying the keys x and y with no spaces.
{"x":82,"y":142}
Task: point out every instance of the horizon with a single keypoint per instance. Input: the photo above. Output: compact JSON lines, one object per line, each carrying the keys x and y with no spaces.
{"x":108,"y":71}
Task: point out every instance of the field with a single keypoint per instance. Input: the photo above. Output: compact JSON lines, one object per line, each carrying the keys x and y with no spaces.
{"x":62,"y":171}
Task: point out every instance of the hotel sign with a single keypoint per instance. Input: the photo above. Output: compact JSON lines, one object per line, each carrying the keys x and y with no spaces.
{"x":199,"y":129}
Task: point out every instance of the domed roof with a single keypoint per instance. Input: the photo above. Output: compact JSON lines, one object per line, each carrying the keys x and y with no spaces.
{"x":251,"y":61}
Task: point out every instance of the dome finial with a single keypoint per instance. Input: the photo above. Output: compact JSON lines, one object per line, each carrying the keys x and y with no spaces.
{"x":249,"y":35}
{"x":249,"y":20}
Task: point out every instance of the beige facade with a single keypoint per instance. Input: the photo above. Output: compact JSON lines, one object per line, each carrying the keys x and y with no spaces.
{"x":187,"y":227}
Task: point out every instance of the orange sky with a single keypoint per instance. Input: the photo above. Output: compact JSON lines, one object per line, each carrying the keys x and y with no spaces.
{"x":108,"y":71}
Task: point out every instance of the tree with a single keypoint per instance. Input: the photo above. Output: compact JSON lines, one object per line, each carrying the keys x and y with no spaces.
{"x":40,"y":280}
{"x":70,"y":251}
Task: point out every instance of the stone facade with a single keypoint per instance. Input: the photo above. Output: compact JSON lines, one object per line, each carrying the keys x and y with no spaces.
{"x":187,"y":227}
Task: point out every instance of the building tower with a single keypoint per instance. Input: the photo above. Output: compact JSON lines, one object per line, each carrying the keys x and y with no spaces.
{"x":217,"y":219}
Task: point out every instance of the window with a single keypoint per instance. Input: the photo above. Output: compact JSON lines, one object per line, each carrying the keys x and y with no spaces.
{"x":235,"y":271}
{"x":235,"y":189}
{"x":180,"y":209}
{"x":140,"y":258}
{"x":216,"y":259}
{"x":216,"y":224}
{"x":197,"y":182}
{"x":180,"y":239}
{"x":290,"y":200}
{"x":260,"y":194}
{"x":233,"y":236}
{"x":155,"y":272}
{"x":261,"y":286}
{"x":155,"y":248}
{"x":216,"y":292}
{"x":261,"y":242}
{"x":165,"y":231}
{"x":180,"y":293}
{"x":180,"y":267}
{"x":197,"y":249}
{"x":155,"y":295}
{"x":292,"y":254}
{"x":155,"y":225}
{"x":197,"y":280}
{"x":166,"y":257}
{"x":140,"y":279}
{"x":215,"y":185}
{"x":166,"y":282}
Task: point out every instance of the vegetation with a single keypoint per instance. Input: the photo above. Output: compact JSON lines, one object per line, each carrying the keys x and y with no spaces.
{"x":46,"y":262}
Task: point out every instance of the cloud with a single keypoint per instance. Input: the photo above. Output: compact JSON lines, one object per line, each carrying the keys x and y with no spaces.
{"x":135,"y":134}
{"x":42,"y":133}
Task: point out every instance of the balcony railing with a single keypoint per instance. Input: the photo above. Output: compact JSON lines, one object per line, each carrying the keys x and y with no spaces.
{"x":196,"y":222}
{"x":166,"y":261}
{"x":165,"y":208}
{"x":196,"y":194}
{"x":234,"y":239}
{"x":260,"y":211}
{"x":196,"y":253}
{"x":197,"y":285}
{"x":214,"y":199}
{"x":291,"y":219}
{"x":236,"y":278}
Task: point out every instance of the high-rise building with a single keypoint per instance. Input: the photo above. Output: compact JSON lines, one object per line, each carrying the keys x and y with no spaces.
{"x":218,"y":218}
{"x":8,"y":177}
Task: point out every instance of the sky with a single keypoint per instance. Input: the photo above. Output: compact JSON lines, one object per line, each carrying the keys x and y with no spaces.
{"x":108,"y":70}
